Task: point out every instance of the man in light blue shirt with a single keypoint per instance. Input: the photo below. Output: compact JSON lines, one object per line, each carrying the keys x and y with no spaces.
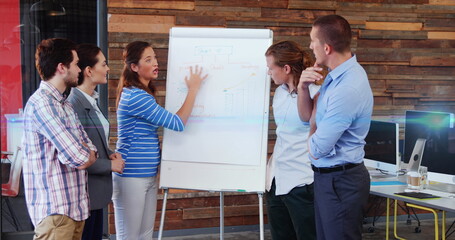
{"x":343,"y":114}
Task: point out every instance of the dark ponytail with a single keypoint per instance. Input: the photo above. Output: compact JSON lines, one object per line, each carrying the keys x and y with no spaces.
{"x":88,"y":57}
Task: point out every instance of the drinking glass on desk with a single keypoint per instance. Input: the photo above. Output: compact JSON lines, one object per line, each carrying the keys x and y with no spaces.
{"x":414,"y":181}
{"x":423,"y":171}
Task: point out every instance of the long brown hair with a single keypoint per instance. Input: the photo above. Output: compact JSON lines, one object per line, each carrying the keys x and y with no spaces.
{"x":129,"y":78}
{"x":292,"y":54}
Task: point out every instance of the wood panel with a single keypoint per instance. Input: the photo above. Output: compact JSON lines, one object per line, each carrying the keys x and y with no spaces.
{"x":302,"y":4}
{"x":180,"y":5}
{"x":410,"y":77}
{"x":121,"y":39}
{"x":439,"y":24}
{"x":434,"y":60}
{"x":374,"y":15}
{"x":388,"y":1}
{"x":441,"y":35}
{"x":200,"y":21}
{"x":290,"y":31}
{"x":409,"y":70}
{"x":386,"y":34}
{"x":442,"y":2}
{"x":404,"y":43}
{"x":377,"y":7}
{"x":435,"y":9}
{"x":382,"y":55}
{"x":140,"y":24}
{"x":256,"y":3}
{"x":229,"y":11}
{"x":307,"y":16}
{"x":208,"y":3}
{"x":405,"y":26}
{"x":264,"y":22}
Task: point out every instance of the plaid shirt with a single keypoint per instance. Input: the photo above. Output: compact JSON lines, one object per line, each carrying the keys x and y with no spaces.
{"x":52,"y":148}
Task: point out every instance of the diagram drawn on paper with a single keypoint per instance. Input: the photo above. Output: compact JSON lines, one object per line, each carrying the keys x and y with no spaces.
{"x":231,"y":82}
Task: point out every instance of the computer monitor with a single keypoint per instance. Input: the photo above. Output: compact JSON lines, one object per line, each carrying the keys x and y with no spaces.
{"x":382,"y":147}
{"x":439,"y":149}
{"x":422,"y":124}
{"x":440,"y":160}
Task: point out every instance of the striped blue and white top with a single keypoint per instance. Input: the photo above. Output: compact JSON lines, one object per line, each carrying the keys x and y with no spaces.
{"x":139,"y":116}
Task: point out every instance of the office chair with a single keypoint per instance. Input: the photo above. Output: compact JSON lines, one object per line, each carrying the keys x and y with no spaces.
{"x":11,"y":187}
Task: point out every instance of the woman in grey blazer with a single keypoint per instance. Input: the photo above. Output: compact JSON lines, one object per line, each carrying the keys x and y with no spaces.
{"x":83,"y":98}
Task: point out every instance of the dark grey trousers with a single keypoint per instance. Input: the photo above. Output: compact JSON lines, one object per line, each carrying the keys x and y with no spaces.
{"x":340,"y":201}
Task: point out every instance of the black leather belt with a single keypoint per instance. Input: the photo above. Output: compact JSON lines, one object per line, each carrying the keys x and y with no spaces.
{"x":335,"y":168}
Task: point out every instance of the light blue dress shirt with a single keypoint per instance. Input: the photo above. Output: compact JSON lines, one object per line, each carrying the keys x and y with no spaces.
{"x":343,"y":116}
{"x":291,"y":166}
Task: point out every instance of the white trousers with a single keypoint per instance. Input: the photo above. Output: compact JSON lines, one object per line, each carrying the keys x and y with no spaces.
{"x":134,"y":206}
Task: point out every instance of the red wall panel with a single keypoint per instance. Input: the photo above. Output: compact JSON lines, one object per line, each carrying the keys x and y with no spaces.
{"x":10,"y":63}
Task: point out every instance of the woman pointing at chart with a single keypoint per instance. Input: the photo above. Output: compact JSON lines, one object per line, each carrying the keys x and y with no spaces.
{"x":139,"y":116}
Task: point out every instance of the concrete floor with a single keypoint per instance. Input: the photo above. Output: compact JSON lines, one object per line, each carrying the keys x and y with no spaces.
{"x":404,"y":231}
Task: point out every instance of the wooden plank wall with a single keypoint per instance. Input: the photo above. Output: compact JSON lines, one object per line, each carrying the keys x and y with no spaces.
{"x":406,"y":46}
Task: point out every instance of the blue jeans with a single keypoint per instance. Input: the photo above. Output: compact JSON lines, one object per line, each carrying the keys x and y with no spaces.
{"x":291,"y":216}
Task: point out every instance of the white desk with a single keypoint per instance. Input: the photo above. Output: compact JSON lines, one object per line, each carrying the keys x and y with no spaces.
{"x":443,"y":204}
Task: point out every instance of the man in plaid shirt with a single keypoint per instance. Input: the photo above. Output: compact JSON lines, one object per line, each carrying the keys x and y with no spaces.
{"x":56,"y":149}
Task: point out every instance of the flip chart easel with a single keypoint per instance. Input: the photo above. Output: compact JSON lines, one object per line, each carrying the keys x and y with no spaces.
{"x":224,"y":145}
